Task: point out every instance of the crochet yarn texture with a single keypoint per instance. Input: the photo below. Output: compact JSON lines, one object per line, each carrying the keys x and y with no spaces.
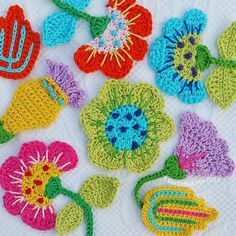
{"x":32,"y":180}
{"x":19,"y":45}
{"x":37,"y":103}
{"x":200,"y":152}
{"x":172,"y":57}
{"x":122,"y":42}
{"x":172,"y":210}
{"x":125,"y":125}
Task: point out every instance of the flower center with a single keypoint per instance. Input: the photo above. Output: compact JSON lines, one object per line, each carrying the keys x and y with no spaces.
{"x":184,"y":57}
{"x":114,"y":36}
{"x":126,"y":127}
{"x":35,"y":180}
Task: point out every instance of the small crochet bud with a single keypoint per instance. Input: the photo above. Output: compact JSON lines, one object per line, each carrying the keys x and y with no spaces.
{"x":37,"y":103}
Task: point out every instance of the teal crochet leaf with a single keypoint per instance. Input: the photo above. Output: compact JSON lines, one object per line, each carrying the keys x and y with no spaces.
{"x":78,"y":4}
{"x":58,"y":28}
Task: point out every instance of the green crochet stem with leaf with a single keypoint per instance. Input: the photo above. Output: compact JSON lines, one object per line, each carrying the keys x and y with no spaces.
{"x":204,"y":59}
{"x":97,"y":24}
{"x":54,"y":188}
{"x":171,"y":169}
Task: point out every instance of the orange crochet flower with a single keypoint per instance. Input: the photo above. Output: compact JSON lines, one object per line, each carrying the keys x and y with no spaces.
{"x":122,"y":42}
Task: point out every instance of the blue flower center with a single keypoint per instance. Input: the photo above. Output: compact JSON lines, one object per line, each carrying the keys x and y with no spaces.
{"x":126,"y":127}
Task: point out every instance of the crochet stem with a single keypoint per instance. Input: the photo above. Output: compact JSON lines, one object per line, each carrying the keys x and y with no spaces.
{"x":144,"y":180}
{"x":223,"y":62}
{"x":84,"y":205}
{"x":97,"y":24}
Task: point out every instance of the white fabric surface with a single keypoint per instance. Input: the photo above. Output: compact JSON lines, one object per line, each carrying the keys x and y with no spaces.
{"x":123,"y":217}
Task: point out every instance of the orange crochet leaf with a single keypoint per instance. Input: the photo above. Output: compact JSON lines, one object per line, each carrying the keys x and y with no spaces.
{"x":19,"y":45}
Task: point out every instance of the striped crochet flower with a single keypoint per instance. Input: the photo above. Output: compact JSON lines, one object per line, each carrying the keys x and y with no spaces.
{"x":25,"y":178}
{"x":172,"y":57}
{"x":114,"y":51}
{"x":125,"y":125}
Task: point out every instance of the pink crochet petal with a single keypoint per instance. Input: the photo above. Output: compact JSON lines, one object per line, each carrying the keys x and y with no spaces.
{"x":10,"y":177}
{"x":31,"y":152}
{"x":38,"y":218}
{"x":13,"y":203}
{"x":63,"y":155}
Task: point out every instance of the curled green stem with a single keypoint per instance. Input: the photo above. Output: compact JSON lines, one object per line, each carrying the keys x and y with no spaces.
{"x":54,"y":188}
{"x":97,"y":24}
{"x":171,"y":169}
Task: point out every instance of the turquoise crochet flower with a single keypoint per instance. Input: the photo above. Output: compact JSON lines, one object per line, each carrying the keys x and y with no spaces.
{"x":172,"y":57}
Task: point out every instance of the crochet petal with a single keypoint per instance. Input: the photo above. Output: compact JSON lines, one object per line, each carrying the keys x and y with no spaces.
{"x":32,"y":152}
{"x":93,"y":118}
{"x":196,"y":21}
{"x":192,"y":92}
{"x":9,"y":178}
{"x":45,"y":218}
{"x":63,"y":155}
{"x":13,"y":203}
{"x":169,"y":81}
{"x":142,"y":20}
{"x":86,"y":61}
{"x":147,"y":97}
{"x":157,"y":54}
{"x":103,"y":154}
{"x":143,"y":158}
{"x":120,"y":4}
{"x":117,"y":66}
{"x":138,"y":49}
{"x":172,"y":30}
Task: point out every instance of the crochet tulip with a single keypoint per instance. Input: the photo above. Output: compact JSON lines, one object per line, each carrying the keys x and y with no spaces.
{"x":37,"y":103}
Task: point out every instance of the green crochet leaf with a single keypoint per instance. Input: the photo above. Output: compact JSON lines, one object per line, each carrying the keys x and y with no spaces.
{"x":227,"y":43}
{"x":69,"y":218}
{"x":221,"y":86}
{"x":99,"y":191}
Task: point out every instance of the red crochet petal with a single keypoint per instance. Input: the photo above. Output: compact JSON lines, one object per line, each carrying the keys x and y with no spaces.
{"x":121,"y":4}
{"x":85,"y":62}
{"x":113,"y":70}
{"x":143,"y":23}
{"x":26,"y":45}
{"x":139,"y":48}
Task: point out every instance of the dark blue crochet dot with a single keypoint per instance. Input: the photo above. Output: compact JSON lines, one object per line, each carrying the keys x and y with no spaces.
{"x":180,"y":67}
{"x":123,"y":129}
{"x":143,"y":133}
{"x":136,"y":126}
{"x":194,"y":72}
{"x":180,"y":44}
{"x":192,"y":40}
{"x":110,"y":128}
{"x":115,"y":115}
{"x":134,"y":145}
{"x":188,"y":55}
{"x":113,"y":140}
{"x":129,"y":116}
{"x":138,"y":112}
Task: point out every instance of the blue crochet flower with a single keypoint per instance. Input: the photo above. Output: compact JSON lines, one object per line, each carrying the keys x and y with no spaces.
{"x":172,"y":57}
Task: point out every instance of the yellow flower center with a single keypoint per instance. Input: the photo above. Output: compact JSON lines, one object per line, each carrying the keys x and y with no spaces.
{"x":35,"y":180}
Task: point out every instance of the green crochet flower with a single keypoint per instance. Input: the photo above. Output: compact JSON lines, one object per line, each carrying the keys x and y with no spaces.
{"x":125,"y":125}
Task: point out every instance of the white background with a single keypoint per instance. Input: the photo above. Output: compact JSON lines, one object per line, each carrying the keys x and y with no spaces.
{"x":123,"y":217}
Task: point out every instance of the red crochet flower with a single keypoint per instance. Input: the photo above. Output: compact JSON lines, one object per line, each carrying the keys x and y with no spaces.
{"x":25,"y":177}
{"x":121,"y":43}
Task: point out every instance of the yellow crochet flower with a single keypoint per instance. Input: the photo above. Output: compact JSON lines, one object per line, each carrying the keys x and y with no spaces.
{"x":125,"y":125}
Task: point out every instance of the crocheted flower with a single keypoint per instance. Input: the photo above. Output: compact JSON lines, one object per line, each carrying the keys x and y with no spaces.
{"x":172,"y":57}
{"x":122,"y":42}
{"x":200,"y":151}
{"x":172,"y":210}
{"x":125,"y":125}
{"x":25,"y":178}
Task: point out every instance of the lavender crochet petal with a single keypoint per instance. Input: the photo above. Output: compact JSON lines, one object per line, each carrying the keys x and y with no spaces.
{"x":65,"y":79}
{"x":198,"y":137}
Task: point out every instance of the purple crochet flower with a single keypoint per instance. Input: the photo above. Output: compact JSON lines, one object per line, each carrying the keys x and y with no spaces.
{"x":65,"y":79}
{"x":200,"y":151}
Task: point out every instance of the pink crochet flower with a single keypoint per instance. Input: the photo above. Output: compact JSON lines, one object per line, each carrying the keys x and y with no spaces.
{"x":25,"y":177}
